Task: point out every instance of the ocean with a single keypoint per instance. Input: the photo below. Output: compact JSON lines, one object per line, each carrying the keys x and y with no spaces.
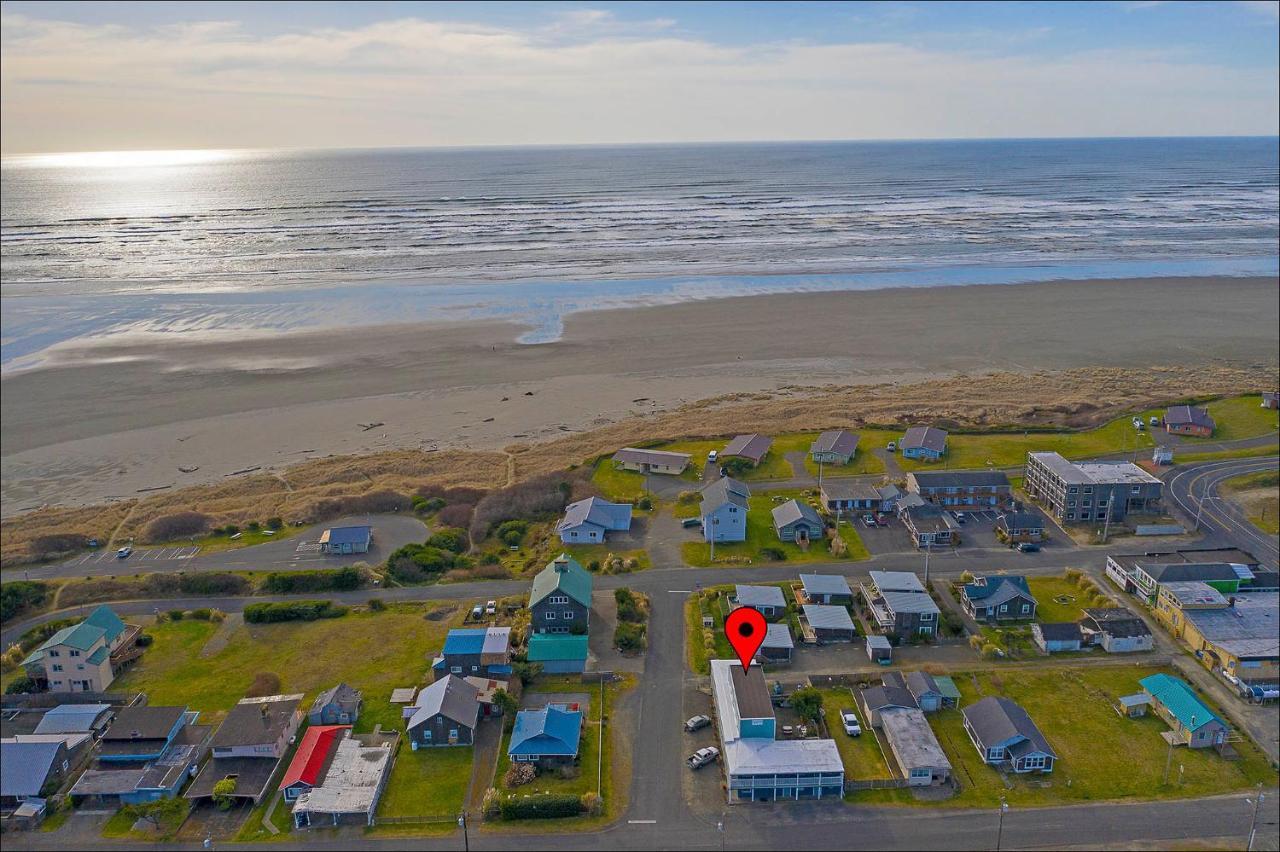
{"x":280,"y":240}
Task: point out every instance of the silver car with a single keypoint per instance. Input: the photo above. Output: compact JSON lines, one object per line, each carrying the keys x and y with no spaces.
{"x":702,"y":757}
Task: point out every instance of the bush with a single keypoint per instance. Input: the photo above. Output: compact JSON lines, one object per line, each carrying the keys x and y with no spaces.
{"x":376,"y":605}
{"x":20,"y":685}
{"x":629,"y":637}
{"x":20,"y":596}
{"x":542,"y":496}
{"x":687,"y":497}
{"x":276,"y":523}
{"x":542,"y":806}
{"x":416,"y":563}
{"x":990,"y":651}
{"x":736,"y":466}
{"x":592,"y":804}
{"x":264,"y":683}
{"x":449,"y":538}
{"x":628,"y":605}
{"x":270,"y":613}
{"x":45,"y":546}
{"x":177,"y":525}
{"x":526,"y":671}
{"x":210,"y":584}
{"x":491,"y":807}
{"x":202,"y":614}
{"x":519,"y":774}
{"x":775,"y":553}
{"x":322,"y":580}
{"x":966,"y":577}
{"x":807,"y":702}
{"x":433,"y":504}
{"x":230,"y":529}
{"x":145,"y":640}
{"x":176,"y":614}
{"x":224,"y":793}
{"x":644,"y":503}
{"x":456,"y":515}
{"x":511,"y":533}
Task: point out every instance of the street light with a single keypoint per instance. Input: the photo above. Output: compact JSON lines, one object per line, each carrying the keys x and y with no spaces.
{"x":1004,"y":806}
{"x":720,"y":828}
{"x":462,"y":823}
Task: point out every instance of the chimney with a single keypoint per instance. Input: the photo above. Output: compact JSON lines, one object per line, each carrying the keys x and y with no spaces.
{"x":562,"y":565}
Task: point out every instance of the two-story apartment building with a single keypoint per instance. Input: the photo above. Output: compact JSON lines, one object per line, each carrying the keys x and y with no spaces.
{"x":900,"y":604}
{"x":560,"y":600}
{"x":84,"y":656}
{"x":724,"y":507}
{"x":955,"y":488}
{"x":1076,"y":492}
{"x":249,"y":745}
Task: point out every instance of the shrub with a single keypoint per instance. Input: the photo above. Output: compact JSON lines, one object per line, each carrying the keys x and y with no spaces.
{"x":45,"y":546}
{"x":541,"y":806}
{"x":628,"y":605}
{"x":177,"y":525}
{"x":202,"y":614}
{"x":268,"y":613}
{"x":415,"y":563}
{"x":526,"y":671}
{"x":209,"y":584}
{"x":629,"y":637}
{"x":966,"y":577}
{"x":449,"y":538}
{"x":376,"y":605}
{"x":644,"y":503}
{"x":511,"y":533}
{"x":807,"y":702}
{"x":21,"y":596}
{"x":592,"y":804}
{"x":990,"y":650}
{"x":519,"y":774}
{"x":176,"y":614}
{"x":264,"y":683}
{"x":276,"y":523}
{"x":687,"y":497}
{"x":490,"y":558}
{"x":433,"y":504}
{"x":224,"y":793}
{"x":231,"y":529}
{"x":20,"y":685}
{"x":491,"y":807}
{"x":456,"y":515}
{"x":254,"y":526}
{"x":976,"y":642}
{"x":542,"y":496}
{"x":322,"y":580}
{"x":774,"y":553}
{"x":736,"y":466}
{"x":145,"y":640}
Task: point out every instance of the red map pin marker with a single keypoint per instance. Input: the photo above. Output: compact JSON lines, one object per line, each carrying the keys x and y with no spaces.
{"x":745,"y":629}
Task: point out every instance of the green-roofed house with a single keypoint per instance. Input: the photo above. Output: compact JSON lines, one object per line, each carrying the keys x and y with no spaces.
{"x":82,"y":657}
{"x":558,"y":654}
{"x":1193,"y":723}
{"x":560,"y":601}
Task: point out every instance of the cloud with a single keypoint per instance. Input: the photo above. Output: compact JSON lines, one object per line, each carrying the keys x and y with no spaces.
{"x":587,"y":78}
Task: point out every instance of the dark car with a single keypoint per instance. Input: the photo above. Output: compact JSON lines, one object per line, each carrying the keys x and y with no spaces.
{"x":1028,"y":547}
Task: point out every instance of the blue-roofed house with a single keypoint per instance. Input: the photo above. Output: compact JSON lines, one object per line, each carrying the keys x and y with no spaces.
{"x":588,"y":521}
{"x":1193,"y":723}
{"x":341,"y":540}
{"x":148,"y":753}
{"x":558,"y":653}
{"x":998,"y":597}
{"x":79,"y":658}
{"x":76,"y":719}
{"x":475,"y":652}
{"x":548,"y":737}
{"x":30,"y":770}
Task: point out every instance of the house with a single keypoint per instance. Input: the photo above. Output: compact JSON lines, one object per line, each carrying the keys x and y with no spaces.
{"x":305,"y":770}
{"x":1227,"y":569}
{"x":889,"y":495}
{"x":547,"y":737}
{"x":475,"y":651}
{"x":924,"y":689}
{"x":757,"y":766}
{"x":900,"y":604}
{"x":929,"y":525}
{"x":777,"y":645}
{"x":999,"y":597}
{"x":767,"y":600}
{"x":338,"y":705}
{"x":826,"y":589}
{"x":920,"y":758}
{"x":86,"y":656}
{"x":879,"y":649}
{"x":650,"y":461}
{"x":587,"y":521}
{"x":146,"y":754}
{"x":344,"y":540}
{"x":846,"y":495}
{"x":1020,"y":526}
{"x":1194,"y":724}
{"x":984,"y":488}
{"x":249,"y":745}
{"x":751,"y":447}
{"x":876,"y":699}
{"x":724,"y":510}
{"x":1271,"y":400}
{"x":1053,"y":637}
{"x":1151,"y":577}
{"x":1004,"y":735}
{"x":1090,"y":491}
{"x":1188,"y":420}
{"x":827,"y":624}
{"x":560,"y":600}
{"x":798,"y":522}
{"x":558,"y":654}
{"x":923,"y":442}
{"x":348,"y":794}
{"x":31,"y":770}
{"x":76,"y":719}
{"x":1116,"y":630}
{"x":837,"y":446}
{"x":1162,"y":455}
{"x":444,"y":714}
{"x":1241,"y":639}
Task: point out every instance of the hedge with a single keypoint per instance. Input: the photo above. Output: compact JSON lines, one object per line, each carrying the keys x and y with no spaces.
{"x":21,"y":595}
{"x":543,"y":806}
{"x":324,"y":580}
{"x":267,"y":613}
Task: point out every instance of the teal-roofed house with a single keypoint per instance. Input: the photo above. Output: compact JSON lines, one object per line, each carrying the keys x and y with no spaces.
{"x":1193,"y":724}
{"x":548,"y":737}
{"x":558,"y":653}
{"x":83,"y":657}
{"x":560,"y":601}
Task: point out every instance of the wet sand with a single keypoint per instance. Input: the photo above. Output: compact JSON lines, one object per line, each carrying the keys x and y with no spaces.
{"x":106,"y":420}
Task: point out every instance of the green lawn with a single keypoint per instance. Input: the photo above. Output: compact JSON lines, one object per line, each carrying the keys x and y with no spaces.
{"x":1239,"y":417}
{"x":428,"y":782}
{"x":861,"y":755}
{"x":120,"y":826}
{"x":1238,"y":453}
{"x":760,"y":534}
{"x":627,"y":486}
{"x":1101,"y":755}
{"x":253,"y":831}
{"x":773,"y":466}
{"x":1045,"y":589}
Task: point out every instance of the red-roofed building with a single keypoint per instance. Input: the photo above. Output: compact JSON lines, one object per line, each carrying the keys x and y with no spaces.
{"x":307,"y":768}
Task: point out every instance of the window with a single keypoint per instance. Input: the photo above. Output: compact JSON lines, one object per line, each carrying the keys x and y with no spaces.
{"x":1088,"y":489}
{"x":921,"y":773}
{"x":57,"y":668}
{"x":453,"y":733}
{"x":568,"y":616}
{"x":456,"y":669}
{"x":54,"y":654}
{"x":1004,"y":607}
{"x":1137,"y":489}
{"x":475,"y":668}
{"x":926,"y":616}
{"x":1072,"y":490}
{"x":551,"y":616}
{"x":573,"y":534}
{"x":1026,"y":608}
{"x":559,"y":599}
{"x":733,"y":510}
{"x":73,"y":653}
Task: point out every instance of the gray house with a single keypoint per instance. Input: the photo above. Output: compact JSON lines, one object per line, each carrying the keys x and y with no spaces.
{"x":445,"y":714}
{"x":588,"y":521}
{"x":767,"y":600}
{"x":1004,"y":735}
{"x":998,"y":598}
{"x":900,"y":604}
{"x":923,"y":442}
{"x":751,"y":447}
{"x":837,"y":446}
{"x":475,"y":652}
{"x":828,"y":623}
{"x":339,"y":705}
{"x":1090,"y":491}
{"x":826,"y":589}
{"x":846,"y":495}
{"x":877,"y":699}
{"x":1116,"y":630}
{"x":777,"y":645}
{"x":798,"y":522}
{"x":560,"y":601}
{"x":929,"y":525}
{"x":724,"y":510}
{"x":1021,"y":526}
{"x":915,"y":748}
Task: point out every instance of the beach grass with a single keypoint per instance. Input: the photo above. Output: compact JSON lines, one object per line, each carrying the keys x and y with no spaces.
{"x":1046,"y":590}
{"x":1259,"y":495}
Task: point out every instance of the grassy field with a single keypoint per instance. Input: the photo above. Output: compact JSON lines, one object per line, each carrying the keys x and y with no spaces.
{"x":1045,"y":589}
{"x":1259,"y":495}
{"x":428,"y":782}
{"x":1239,"y":417}
{"x":861,"y":755}
{"x":760,"y":534}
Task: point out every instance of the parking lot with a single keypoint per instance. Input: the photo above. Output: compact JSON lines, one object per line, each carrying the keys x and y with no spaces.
{"x":158,"y":554}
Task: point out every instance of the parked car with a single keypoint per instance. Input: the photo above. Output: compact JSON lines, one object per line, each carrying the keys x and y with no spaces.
{"x":1028,"y":547}
{"x":1155,"y":421}
{"x":477,"y":612}
{"x":697,"y":723}
{"x":882,"y":520}
{"x":892,"y":446}
{"x":960,"y":517}
{"x":850,"y":721}
{"x":712,"y":456}
{"x":123,"y":553}
{"x":1138,"y":424}
{"x":691,"y":522}
{"x":490,"y":607}
{"x":93,"y":542}
{"x":1231,"y":679}
{"x":702,"y":757}
{"x":869,"y":521}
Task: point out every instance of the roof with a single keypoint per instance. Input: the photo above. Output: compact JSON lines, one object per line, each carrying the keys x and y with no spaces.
{"x":925,"y":436}
{"x":403,"y":694}
{"x":342,"y":695}
{"x":959,"y":479}
{"x":1184,"y":415}
{"x":726,"y":489}
{"x":105,"y":618}
{"x":824,"y":617}
{"x":1180,"y":700}
{"x":1193,"y":593}
{"x":926,"y":517}
{"x":921,"y":683}
{"x":1094,"y":472}
{"x":897,"y":581}
{"x":1136,"y":700}
{"x":1115,"y":621}
{"x":549,"y":646}
{"x":1248,"y":629}
{"x":758,"y":596}
{"x":839,"y":441}
{"x":597,"y":512}
{"x":352,"y":782}
{"x":889,"y":492}
{"x":256,"y":721}
{"x":947,"y":687}
{"x":550,"y":730}
{"x":347,"y":535}
{"x":777,"y":636}
{"x":909,"y":602}
{"x":82,"y":637}
{"x":825,"y":584}
{"x":879,"y":697}
{"x":875,"y":640}
{"x":24,"y":766}
{"x":996,"y":589}
{"x":478,"y":640}
{"x":71,"y":718}
{"x":143,"y":723}
{"x":912,"y":740}
{"x":562,"y":574}
{"x":794,"y":511}
{"x":108,"y":782}
{"x":1170,"y":572}
{"x":451,"y":697}
{"x":752,"y":446}
{"x":313,"y":752}
{"x":1020,"y":521}
{"x":639,"y":456}
{"x":758,"y":756}
{"x":738,"y":696}
{"x":850,"y":489}
{"x":996,"y":719}
{"x":1059,"y":631}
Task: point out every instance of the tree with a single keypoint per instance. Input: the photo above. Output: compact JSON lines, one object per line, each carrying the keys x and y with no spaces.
{"x":505,"y":702}
{"x":736,"y":466}
{"x":224,"y":793}
{"x":526,"y":671}
{"x":807,"y":702}
{"x":161,"y":811}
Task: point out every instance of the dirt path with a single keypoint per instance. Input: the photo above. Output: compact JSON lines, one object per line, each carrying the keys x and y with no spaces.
{"x":222,"y":636}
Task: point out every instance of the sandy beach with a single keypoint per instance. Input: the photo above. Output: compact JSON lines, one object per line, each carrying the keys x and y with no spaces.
{"x":117,"y":420}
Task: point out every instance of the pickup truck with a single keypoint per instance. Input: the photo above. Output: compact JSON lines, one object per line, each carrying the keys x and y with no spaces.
{"x":702,"y":757}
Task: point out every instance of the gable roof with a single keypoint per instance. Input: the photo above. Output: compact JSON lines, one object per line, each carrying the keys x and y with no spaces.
{"x":793,"y":511}
{"x":925,"y":436}
{"x":635,"y":455}
{"x":256,"y":721}
{"x":1115,"y":621}
{"x":82,"y":637}
{"x":342,"y":695}
{"x":562,"y":574}
{"x":71,"y":718}
{"x":826,"y":617}
{"x":551,"y":646}
{"x":958,"y":479}
{"x":838,"y":441}
{"x":825,"y":584}
{"x":1170,"y":572}
{"x":24,"y":766}
{"x":921,"y":683}
{"x":451,"y":697}
{"x":879,"y":697}
{"x":1059,"y":631}
{"x":477,"y":640}
{"x":600,"y":513}
{"x":1183,"y":415}
{"x":724,"y":490}
{"x":996,"y":720}
{"x":753,"y":446}
{"x":907,"y":602}
{"x":998,"y":589}
{"x":550,"y":730}
{"x":347,"y":535}
{"x":317,"y":744}
{"x":758,"y":596}
{"x":105,"y":618}
{"x":1180,"y":700}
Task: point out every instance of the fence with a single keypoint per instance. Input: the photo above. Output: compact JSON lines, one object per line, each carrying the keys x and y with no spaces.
{"x":874,"y":784}
{"x":416,"y":819}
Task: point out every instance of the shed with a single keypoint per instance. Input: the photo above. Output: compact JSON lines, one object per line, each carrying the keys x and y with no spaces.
{"x":1134,"y":705}
{"x":879,"y":649}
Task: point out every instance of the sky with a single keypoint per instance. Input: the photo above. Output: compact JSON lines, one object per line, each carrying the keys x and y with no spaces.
{"x":141,"y":76}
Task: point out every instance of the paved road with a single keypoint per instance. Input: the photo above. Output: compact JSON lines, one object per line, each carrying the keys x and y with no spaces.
{"x":1194,"y":490}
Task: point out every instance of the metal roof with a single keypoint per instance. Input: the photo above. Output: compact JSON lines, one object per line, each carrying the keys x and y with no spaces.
{"x":753,"y":446}
{"x":778,"y":636}
{"x":24,"y":766}
{"x":825,"y":584}
{"x":909,"y":602}
{"x":758,"y":596}
{"x":550,"y":730}
{"x":451,"y":697}
{"x":601,"y":513}
{"x":549,"y":646}
{"x":347,"y":535}
{"x":875,"y":640}
{"x":823,"y":617}
{"x":757,"y":756}
{"x":793,"y":511}
{"x":353,"y":781}
{"x":639,"y":456}
{"x":562,"y":574}
{"x":477,"y":640}
{"x":1180,"y":700}
{"x":71,"y":718}
{"x":925,"y":436}
{"x":896,"y":581}
{"x":318,"y":742}
{"x":996,"y":720}
{"x":839,"y":441}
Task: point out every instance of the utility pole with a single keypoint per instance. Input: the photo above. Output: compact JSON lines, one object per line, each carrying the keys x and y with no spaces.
{"x":466,"y":840}
{"x":928,"y":546}
{"x":1253,"y":825}
{"x":720,"y":828}
{"x":1004,"y":806}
